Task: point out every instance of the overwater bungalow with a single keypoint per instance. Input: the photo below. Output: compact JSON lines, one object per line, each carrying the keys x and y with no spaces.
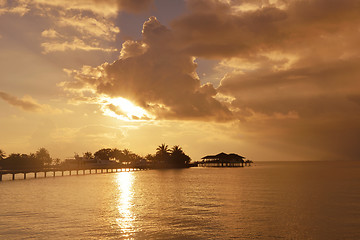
{"x":223,"y":160}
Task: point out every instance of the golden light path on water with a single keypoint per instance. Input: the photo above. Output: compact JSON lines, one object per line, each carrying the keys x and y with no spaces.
{"x":126,"y":220}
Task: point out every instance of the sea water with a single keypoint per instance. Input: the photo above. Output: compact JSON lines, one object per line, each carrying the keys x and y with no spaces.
{"x":270,"y":200}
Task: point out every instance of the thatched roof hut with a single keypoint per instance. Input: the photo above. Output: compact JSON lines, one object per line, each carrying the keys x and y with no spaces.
{"x":223,"y":157}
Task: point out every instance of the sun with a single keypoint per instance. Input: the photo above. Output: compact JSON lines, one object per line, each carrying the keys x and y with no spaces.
{"x":123,"y":109}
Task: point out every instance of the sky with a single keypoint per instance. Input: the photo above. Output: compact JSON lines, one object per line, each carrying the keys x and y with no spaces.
{"x":268,"y":79}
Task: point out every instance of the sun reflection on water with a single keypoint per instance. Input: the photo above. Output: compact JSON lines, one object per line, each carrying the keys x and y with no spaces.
{"x":126,"y":219}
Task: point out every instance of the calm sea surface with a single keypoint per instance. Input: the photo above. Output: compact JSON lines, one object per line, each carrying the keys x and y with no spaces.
{"x":273,"y":200}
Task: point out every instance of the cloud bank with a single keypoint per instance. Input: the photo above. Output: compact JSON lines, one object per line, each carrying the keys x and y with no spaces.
{"x":290,"y":71}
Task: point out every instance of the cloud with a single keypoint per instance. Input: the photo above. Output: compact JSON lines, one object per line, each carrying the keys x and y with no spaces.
{"x":79,"y":28}
{"x":90,"y":27}
{"x":214,"y":29}
{"x":106,"y":8}
{"x":50,"y":33}
{"x":154,"y":75}
{"x":100,"y":8}
{"x":17,"y":7}
{"x":26,"y":103}
{"x":75,"y":25}
{"x":75,"y":44}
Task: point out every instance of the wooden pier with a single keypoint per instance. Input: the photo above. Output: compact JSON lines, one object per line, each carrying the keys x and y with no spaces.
{"x":59,"y":172}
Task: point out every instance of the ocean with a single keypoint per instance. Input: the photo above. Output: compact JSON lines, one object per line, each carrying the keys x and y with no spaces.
{"x":269,"y":200}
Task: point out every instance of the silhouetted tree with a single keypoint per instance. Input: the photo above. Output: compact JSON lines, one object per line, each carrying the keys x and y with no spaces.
{"x":88,"y":156}
{"x":43,"y":156}
{"x":130,"y":157}
{"x":178,"y":158}
{"x":126,"y":152}
{"x":21,"y":161}
{"x":163,"y":149}
{"x":162,"y":154}
{"x":117,"y":154}
{"x":176,"y":150}
{"x":103,"y":154}
{"x":150,"y":157}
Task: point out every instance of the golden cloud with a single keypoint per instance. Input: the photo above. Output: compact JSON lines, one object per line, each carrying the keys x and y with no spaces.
{"x":27,"y":103}
{"x":157,"y":77}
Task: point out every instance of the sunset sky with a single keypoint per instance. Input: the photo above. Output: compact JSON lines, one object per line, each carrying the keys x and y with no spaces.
{"x":267,"y":79}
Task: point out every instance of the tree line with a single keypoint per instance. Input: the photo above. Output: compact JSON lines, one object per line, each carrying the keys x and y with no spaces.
{"x":39,"y":159}
{"x":164,"y":157}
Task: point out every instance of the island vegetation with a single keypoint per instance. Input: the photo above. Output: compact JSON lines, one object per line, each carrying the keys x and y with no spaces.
{"x":164,"y":157}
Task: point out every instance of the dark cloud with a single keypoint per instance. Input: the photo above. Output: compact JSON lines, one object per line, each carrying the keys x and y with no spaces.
{"x":156,"y":76}
{"x":299,"y":83}
{"x":219,"y":29}
{"x":25,"y":104}
{"x":294,"y":75}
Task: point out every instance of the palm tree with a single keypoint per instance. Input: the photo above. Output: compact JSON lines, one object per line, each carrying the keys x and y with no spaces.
{"x":127,"y":153}
{"x":176,"y":150}
{"x":163,"y":149}
{"x":162,"y":153}
{"x":129,"y":157}
{"x":178,"y":158}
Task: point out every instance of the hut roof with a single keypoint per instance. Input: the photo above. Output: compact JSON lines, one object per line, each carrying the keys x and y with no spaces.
{"x":224,"y":156}
{"x":236,"y":156}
